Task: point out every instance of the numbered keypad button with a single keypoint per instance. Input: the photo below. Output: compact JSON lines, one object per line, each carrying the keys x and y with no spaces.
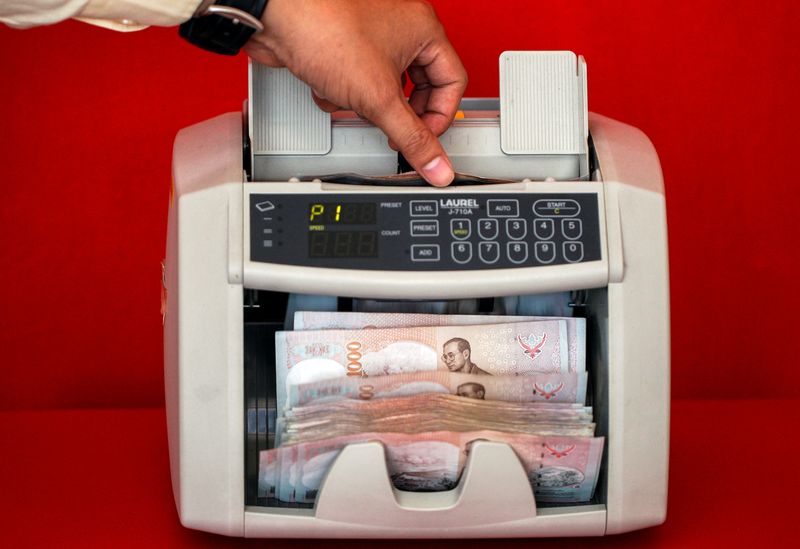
{"x":489,"y":252}
{"x":487,"y":229}
{"x":462,"y":252}
{"x":516,"y":229}
{"x":572,"y":228}
{"x":460,"y":228}
{"x":545,"y":252}
{"x":573,"y":251}
{"x":518,"y":252}
{"x":544,"y":229}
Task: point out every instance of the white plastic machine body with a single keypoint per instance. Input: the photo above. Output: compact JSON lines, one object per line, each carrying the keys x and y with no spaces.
{"x":224,"y":231}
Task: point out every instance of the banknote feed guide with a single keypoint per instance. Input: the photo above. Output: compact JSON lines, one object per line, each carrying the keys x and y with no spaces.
{"x":264,"y":316}
{"x":423,"y":232}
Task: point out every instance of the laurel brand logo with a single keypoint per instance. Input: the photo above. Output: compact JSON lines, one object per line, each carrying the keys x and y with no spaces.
{"x":532,"y":347}
{"x":458,"y":203}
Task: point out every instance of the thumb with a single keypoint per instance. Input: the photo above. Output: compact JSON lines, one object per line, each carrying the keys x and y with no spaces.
{"x":415,"y":140}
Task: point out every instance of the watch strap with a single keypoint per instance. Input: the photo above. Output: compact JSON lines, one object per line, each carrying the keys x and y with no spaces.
{"x":224,"y":26}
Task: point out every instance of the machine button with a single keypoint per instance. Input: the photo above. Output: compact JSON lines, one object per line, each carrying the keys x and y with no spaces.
{"x":424,"y":227}
{"x":424,"y":208}
{"x":265,"y":206}
{"x":545,"y":252}
{"x":487,"y":229}
{"x":517,"y":252}
{"x":503,"y":208}
{"x":489,"y":252}
{"x":556,"y":207}
{"x":460,"y":228}
{"x":572,"y":228}
{"x":425,"y":252}
{"x":462,"y":252}
{"x":516,"y":229}
{"x":573,"y":251}
{"x":544,"y":229}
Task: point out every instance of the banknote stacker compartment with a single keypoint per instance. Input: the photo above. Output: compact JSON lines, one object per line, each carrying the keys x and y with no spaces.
{"x":266,"y":313}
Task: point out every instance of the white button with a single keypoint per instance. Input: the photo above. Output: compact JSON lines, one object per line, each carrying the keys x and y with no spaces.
{"x":423,"y":208}
{"x":424,"y":227}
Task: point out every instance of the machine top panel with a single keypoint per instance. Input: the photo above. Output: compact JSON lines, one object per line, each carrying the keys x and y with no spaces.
{"x":422,"y":232}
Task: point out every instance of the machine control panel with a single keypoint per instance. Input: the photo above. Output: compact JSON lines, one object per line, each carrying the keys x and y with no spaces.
{"x":434,"y":232}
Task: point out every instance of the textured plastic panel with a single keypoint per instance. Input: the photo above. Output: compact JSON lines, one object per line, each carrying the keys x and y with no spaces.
{"x":284,"y":120}
{"x":542,"y":103}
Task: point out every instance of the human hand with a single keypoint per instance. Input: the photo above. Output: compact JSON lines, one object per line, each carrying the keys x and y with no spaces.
{"x":353,"y":55}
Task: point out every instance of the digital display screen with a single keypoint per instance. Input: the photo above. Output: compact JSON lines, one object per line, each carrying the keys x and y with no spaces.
{"x":342,"y":244}
{"x":342,"y":213}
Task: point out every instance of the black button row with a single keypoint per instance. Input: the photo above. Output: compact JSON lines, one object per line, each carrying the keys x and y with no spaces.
{"x":489,"y":252}
{"x":489,"y":228}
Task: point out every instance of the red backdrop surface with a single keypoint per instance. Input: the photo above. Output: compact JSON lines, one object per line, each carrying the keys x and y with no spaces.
{"x":88,"y":117}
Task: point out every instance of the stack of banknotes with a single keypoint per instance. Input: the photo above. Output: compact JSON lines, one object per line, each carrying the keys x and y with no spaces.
{"x":426,"y":386}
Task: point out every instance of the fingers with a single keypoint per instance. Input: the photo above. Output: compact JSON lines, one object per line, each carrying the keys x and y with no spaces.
{"x":414,"y":139}
{"x":263,"y":54}
{"x":324,"y":104}
{"x":439,"y":82}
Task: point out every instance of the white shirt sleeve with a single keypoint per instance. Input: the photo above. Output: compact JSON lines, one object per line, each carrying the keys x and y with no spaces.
{"x":121,"y":15}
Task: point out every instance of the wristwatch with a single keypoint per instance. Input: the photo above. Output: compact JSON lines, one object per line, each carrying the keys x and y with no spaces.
{"x":224,"y":26}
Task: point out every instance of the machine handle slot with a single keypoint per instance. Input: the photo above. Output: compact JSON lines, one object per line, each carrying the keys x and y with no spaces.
{"x":493,"y":488}
{"x":407,"y":179}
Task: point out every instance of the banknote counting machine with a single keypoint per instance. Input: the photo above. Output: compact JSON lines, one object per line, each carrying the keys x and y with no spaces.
{"x":285,"y":208}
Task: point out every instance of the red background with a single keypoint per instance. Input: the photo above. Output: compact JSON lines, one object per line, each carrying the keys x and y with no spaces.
{"x":88,"y":117}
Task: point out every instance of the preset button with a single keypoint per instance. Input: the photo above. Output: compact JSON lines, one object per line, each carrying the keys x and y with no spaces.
{"x":424,"y":227}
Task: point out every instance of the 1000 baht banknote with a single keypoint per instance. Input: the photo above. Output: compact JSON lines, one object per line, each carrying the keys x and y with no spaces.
{"x":346,"y":320}
{"x":535,"y":387}
{"x":495,"y":349}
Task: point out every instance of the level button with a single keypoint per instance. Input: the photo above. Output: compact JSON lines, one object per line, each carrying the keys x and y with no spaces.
{"x":422,"y":208}
{"x":503,"y":208}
